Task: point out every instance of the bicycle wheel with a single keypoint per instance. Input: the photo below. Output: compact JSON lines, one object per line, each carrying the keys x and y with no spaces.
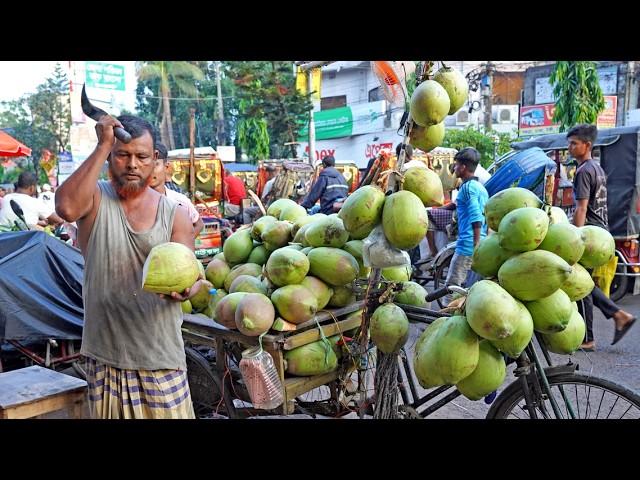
{"x":205,"y":387}
{"x":578,"y":396}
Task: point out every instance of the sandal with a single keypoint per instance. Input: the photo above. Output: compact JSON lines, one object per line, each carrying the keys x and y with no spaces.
{"x":618,"y":334}
{"x":588,"y":347}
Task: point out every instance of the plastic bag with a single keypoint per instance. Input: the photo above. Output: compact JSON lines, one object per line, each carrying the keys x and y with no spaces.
{"x":603,"y":275}
{"x":377,"y":252}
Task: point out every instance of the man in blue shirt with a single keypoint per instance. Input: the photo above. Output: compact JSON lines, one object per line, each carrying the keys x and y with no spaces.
{"x":472,"y":225}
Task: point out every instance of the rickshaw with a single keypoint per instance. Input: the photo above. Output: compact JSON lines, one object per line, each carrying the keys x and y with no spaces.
{"x":293,"y":179}
{"x":350,"y":172}
{"x":618,"y":151}
{"x":207,"y":194}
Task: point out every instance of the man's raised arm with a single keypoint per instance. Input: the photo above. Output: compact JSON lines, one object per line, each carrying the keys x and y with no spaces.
{"x":75,"y":197}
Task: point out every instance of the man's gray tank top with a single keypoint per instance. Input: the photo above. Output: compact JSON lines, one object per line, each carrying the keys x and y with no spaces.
{"x":124,"y":326}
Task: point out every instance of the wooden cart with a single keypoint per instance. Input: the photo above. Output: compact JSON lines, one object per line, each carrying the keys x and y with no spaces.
{"x":199,"y":330}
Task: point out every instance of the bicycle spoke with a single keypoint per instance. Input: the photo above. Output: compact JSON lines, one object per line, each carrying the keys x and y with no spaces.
{"x":614,"y":406}
{"x":625,"y":412}
{"x":577,"y":401}
{"x":586,"y":415}
{"x":600,"y":405}
{"x":517,"y":416}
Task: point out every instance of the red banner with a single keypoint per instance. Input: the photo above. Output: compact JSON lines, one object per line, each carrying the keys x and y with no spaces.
{"x":607,"y":119}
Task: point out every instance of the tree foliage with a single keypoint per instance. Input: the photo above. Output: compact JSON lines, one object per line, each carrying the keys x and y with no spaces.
{"x":486,"y":144}
{"x":578,"y":93}
{"x":259,"y":102}
{"x":172,"y":78}
{"x":41,"y":120}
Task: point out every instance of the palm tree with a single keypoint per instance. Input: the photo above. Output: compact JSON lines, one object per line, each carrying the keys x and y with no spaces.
{"x":183,"y":76}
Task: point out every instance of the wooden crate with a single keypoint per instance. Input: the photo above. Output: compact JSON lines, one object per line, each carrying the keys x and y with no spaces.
{"x":33,"y":391}
{"x":200,"y":330}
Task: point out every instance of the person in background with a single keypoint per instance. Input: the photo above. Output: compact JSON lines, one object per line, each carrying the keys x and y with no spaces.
{"x":409,"y":162}
{"x":472,"y":224}
{"x":3,"y":192}
{"x":330,"y":187}
{"x":159,"y":184}
{"x":590,"y":190}
{"x":253,"y":212}
{"x":271,"y":178}
{"x":169,"y":183}
{"x":47,"y":196}
{"x":36,"y":213}
{"x":235,"y":192}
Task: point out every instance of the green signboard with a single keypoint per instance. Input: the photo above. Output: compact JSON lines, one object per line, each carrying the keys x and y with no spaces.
{"x":107,"y":76}
{"x":334,"y":123}
{"x":346,"y":121}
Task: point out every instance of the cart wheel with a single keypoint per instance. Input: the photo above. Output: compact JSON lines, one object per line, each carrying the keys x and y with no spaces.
{"x":205,"y":387}
{"x":620,"y":284}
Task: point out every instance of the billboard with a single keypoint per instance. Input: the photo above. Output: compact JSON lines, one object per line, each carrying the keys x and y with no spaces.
{"x":538,"y":119}
{"x":347,"y":121}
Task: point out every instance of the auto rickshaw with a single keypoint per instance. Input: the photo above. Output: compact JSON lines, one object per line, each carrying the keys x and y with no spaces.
{"x":618,"y":151}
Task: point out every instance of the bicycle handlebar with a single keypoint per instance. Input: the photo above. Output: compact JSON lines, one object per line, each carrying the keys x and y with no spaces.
{"x":441,"y":292}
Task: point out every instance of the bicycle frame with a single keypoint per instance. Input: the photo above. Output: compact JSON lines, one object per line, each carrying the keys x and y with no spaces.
{"x":529,"y":372}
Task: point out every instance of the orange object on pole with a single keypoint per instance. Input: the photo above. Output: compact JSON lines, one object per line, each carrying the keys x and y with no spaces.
{"x":10,"y":147}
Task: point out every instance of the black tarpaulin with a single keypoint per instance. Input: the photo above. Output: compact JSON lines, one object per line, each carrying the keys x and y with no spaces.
{"x":619,"y":162}
{"x":558,"y":141}
{"x":40,"y":288}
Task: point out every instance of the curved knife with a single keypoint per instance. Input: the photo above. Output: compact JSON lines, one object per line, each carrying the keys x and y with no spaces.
{"x":96,"y":113}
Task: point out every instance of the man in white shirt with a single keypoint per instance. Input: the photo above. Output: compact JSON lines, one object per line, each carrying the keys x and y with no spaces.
{"x":47,"y":196}
{"x":36,"y":213}
{"x":250,"y":214}
{"x":271,"y":175}
{"x":158,"y":184}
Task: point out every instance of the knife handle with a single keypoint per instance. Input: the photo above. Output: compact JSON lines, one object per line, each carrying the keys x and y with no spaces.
{"x":122,"y":135}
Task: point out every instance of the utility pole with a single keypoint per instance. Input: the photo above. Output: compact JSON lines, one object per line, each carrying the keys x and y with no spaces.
{"x":487,"y":86}
{"x":192,"y":159}
{"x":308,"y":68}
{"x":312,"y":125}
{"x":220,"y":123}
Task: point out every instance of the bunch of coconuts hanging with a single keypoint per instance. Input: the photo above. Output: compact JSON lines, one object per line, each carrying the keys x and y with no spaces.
{"x":431,"y":102}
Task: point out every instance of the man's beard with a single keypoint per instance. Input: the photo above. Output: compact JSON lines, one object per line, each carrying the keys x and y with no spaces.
{"x":127,"y":189}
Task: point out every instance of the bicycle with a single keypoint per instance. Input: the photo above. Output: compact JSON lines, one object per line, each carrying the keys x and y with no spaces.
{"x":436,"y":270}
{"x":555,"y":391}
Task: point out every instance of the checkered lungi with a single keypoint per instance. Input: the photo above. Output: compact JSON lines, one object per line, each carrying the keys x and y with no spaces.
{"x":117,"y":394}
{"x":439,"y":218}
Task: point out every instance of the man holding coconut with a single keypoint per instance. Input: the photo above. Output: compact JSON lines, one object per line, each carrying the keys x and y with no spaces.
{"x":136,"y":366}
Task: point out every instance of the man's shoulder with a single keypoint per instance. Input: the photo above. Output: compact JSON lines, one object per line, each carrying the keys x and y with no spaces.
{"x":177,"y":196}
{"x":589,"y":166}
